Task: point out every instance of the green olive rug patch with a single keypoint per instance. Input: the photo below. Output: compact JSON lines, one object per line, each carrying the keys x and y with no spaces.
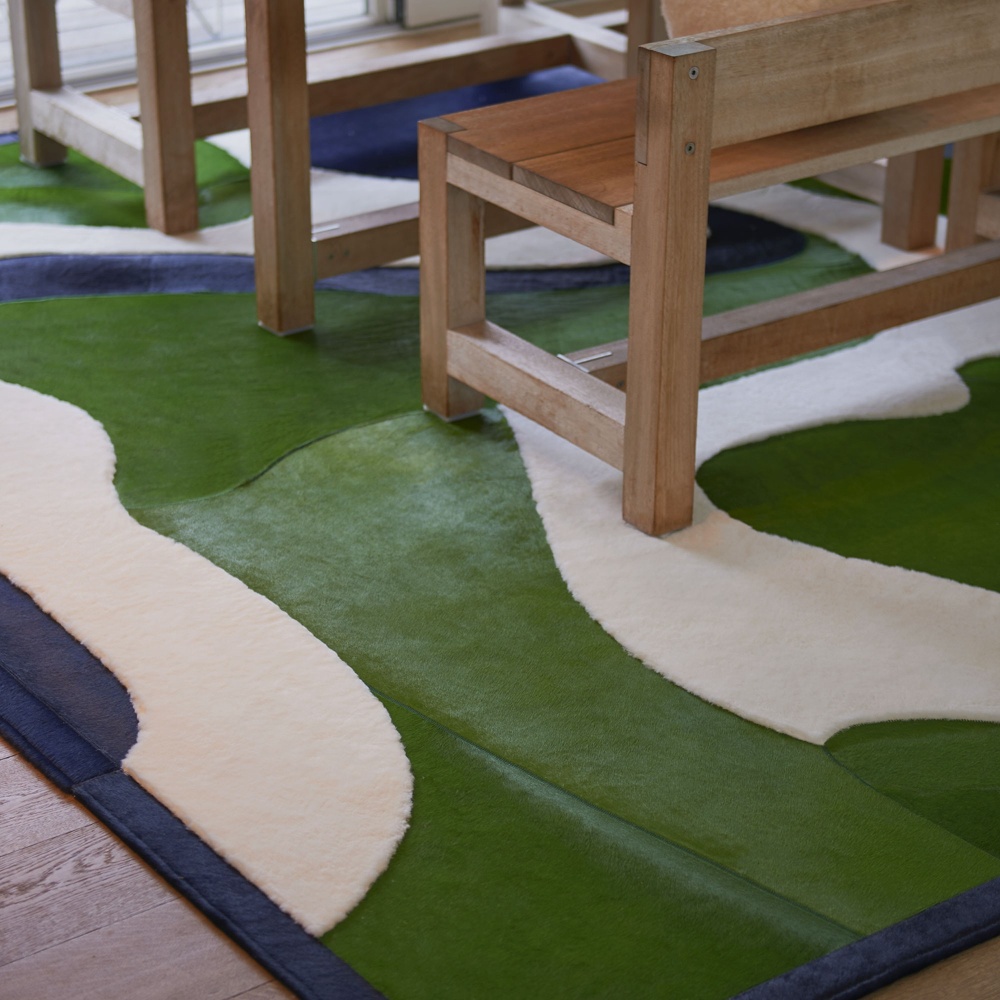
{"x":644,"y":767}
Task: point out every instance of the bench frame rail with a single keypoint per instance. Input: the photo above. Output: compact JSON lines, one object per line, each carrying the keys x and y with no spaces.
{"x":921,"y":83}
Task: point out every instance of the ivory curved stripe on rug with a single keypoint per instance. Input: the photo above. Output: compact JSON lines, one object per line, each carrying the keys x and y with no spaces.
{"x":779,"y":632}
{"x":251,"y":731}
{"x":334,"y":195}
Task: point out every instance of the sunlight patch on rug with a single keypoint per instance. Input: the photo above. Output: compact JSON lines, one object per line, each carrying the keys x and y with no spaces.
{"x":219,"y":676}
{"x":779,"y":632}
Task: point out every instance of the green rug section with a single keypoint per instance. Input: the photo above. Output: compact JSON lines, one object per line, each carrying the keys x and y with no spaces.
{"x":414,"y":549}
{"x":83,"y":193}
{"x":943,"y":769}
{"x":921,"y":493}
{"x":198,"y":399}
{"x":506,"y":886}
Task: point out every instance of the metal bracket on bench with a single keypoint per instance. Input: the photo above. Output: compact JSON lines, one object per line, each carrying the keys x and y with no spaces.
{"x":580,"y":362}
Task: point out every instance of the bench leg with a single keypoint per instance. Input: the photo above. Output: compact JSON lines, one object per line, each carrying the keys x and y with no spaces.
{"x":668,"y":279}
{"x":912,"y":199}
{"x":164,"y":67}
{"x":278,"y":110}
{"x":452,"y":274}
{"x":489,"y":17}
{"x":988,"y":215}
{"x":973,"y":169}
{"x":35,"y":49}
{"x":645,"y":24}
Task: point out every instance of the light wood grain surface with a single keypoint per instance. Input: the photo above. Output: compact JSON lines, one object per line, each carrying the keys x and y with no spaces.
{"x":82,"y":917}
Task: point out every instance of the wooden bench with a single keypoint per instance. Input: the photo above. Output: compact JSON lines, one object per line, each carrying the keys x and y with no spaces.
{"x":152,"y":143}
{"x":289,"y":255}
{"x":157,"y":154}
{"x":629,"y":169}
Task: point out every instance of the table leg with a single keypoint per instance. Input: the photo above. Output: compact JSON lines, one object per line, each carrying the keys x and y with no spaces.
{"x":278,"y":107}
{"x":35,"y":48}
{"x":164,"y":68}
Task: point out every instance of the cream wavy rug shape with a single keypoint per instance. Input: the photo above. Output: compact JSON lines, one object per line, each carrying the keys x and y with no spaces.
{"x":251,"y":731}
{"x":334,"y":195}
{"x":782,"y":633}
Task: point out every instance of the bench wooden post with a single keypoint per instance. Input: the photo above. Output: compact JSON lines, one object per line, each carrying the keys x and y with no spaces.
{"x":645,"y":24}
{"x":972,"y":167}
{"x":278,"y":110}
{"x":35,"y":48}
{"x":164,"y":69}
{"x":912,"y":199}
{"x":673,"y":146}
{"x":452,"y":273}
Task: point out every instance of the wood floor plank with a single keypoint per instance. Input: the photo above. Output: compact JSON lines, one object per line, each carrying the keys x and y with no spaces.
{"x":32,"y":810}
{"x":138,"y":958}
{"x":269,"y":991}
{"x":67,"y":886}
{"x":970,"y":975}
{"x":82,"y":916}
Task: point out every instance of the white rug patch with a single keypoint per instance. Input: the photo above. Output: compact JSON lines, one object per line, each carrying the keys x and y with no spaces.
{"x":853,"y":225}
{"x":254,"y":733}
{"x":782,"y":633}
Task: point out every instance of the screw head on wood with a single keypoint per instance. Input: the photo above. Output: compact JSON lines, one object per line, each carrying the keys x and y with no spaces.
{"x":689,"y":149}
{"x":693,"y":72}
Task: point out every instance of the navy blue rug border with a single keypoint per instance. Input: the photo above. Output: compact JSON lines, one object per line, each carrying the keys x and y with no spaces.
{"x":36,"y":718}
{"x":44,"y":276}
{"x":858,"y":969}
{"x":739,"y":242}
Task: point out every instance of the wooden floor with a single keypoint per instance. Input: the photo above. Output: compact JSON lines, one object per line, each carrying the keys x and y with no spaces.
{"x":972,"y":975}
{"x":81,"y":918}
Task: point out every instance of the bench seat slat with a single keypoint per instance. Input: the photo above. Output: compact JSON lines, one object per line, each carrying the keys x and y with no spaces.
{"x":598,"y":178}
{"x":499,"y":136}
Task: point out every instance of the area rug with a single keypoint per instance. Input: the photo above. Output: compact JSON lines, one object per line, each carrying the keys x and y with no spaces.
{"x":619,"y":788}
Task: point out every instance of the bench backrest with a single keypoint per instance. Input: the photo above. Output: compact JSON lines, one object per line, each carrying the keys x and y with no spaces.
{"x":692,"y":17}
{"x":813,"y":69}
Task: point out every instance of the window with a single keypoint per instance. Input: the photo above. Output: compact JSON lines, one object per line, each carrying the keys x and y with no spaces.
{"x":97,"y":43}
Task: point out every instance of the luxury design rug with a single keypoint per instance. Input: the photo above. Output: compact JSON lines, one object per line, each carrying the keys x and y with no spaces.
{"x":757,"y":755}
